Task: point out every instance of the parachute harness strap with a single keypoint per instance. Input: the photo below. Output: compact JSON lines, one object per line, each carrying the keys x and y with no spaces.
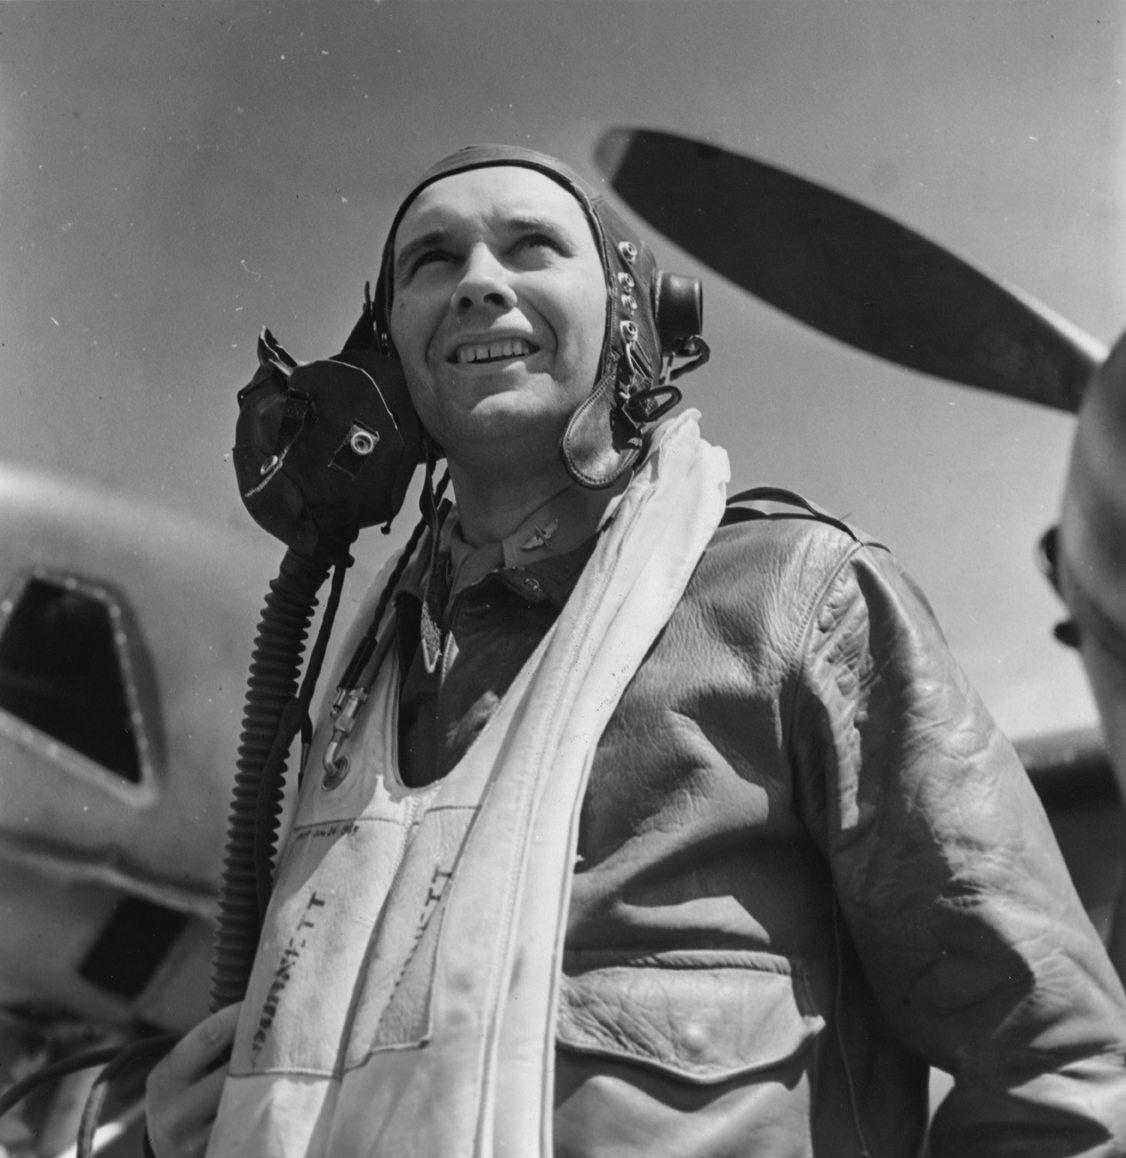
{"x":351,"y":694}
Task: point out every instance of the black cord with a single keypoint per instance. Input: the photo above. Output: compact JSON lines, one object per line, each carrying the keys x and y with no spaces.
{"x":365,"y":649}
{"x":150,"y":1049}
{"x":60,"y":1069}
{"x":104,"y":1056}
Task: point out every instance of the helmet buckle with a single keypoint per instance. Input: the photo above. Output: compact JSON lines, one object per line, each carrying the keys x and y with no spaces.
{"x":649,"y":405}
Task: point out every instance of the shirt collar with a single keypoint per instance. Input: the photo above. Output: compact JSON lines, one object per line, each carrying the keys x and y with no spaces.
{"x":567,"y":520}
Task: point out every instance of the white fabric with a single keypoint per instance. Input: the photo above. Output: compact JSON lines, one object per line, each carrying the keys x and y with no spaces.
{"x":404,"y":997}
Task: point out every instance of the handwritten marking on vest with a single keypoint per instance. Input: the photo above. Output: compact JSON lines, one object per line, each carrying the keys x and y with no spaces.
{"x":283,"y":973}
{"x":436,"y":889}
{"x":438,"y":882}
{"x":340,"y":828}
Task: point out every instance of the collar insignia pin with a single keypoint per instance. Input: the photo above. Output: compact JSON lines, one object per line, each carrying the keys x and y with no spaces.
{"x":541,"y":537}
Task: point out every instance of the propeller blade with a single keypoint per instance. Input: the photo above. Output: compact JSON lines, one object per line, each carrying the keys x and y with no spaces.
{"x":847,"y":270}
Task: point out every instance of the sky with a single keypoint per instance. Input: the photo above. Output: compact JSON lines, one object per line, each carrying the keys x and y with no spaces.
{"x":173,"y":176}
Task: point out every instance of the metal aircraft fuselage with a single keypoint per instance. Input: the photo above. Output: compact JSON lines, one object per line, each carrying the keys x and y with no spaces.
{"x":124,"y":637}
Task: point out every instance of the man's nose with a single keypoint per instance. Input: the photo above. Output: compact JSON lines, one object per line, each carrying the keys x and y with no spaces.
{"x":484,"y":282}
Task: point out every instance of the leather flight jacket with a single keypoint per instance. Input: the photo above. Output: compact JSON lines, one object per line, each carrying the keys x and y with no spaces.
{"x":809,"y":866}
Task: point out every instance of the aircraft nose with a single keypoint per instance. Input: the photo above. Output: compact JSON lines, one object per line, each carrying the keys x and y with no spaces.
{"x":1091,"y":547}
{"x":1092,"y":535}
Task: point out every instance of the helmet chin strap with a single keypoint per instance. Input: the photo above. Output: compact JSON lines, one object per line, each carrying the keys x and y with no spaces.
{"x":601,"y":441}
{"x":607,"y":432}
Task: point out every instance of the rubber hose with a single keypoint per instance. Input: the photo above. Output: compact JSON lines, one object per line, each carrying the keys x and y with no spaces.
{"x":274,"y":672}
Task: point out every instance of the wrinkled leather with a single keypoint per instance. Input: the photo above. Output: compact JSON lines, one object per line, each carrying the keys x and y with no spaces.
{"x":695,"y":1015}
{"x":809,"y":865}
{"x":600,"y":444}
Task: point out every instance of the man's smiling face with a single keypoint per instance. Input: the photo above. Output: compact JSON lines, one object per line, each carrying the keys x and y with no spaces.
{"x":499,"y":309}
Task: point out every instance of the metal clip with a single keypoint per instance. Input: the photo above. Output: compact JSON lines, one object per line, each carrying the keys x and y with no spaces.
{"x":634,"y":365}
{"x":335,"y":765}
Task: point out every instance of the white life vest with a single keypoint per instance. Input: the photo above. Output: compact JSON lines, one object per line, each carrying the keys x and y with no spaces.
{"x":403,"y":999}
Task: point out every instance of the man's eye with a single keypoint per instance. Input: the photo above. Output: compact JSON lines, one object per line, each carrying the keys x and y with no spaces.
{"x":428,"y":258}
{"x":541,"y":241}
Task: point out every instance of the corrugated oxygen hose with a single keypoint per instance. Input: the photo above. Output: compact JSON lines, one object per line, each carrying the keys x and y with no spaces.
{"x":272,"y":716}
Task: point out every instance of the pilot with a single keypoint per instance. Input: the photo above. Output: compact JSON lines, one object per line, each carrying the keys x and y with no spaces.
{"x":668,"y":827}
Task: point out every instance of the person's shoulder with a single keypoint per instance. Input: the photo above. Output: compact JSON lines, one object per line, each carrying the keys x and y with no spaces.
{"x":782,"y":533}
{"x":767,"y":568}
{"x":782,"y":546}
{"x":778,"y":563}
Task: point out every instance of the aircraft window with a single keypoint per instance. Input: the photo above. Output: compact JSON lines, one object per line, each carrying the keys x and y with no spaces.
{"x":133,"y":943}
{"x":65,"y":670}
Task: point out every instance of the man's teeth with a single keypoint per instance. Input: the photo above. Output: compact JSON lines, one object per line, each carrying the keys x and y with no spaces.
{"x":508,"y":348}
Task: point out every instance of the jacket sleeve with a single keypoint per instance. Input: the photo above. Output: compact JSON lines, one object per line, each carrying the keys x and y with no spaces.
{"x":950,"y":881}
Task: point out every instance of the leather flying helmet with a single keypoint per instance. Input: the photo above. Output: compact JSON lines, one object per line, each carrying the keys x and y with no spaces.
{"x":652,"y":319}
